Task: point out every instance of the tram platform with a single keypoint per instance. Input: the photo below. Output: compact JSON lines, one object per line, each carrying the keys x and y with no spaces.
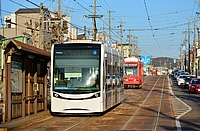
{"x":23,"y":121}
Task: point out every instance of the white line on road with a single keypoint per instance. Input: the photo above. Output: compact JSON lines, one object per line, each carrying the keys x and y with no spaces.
{"x":176,"y":105}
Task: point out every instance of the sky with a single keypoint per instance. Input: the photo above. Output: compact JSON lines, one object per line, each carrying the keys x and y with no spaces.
{"x":159,"y":27}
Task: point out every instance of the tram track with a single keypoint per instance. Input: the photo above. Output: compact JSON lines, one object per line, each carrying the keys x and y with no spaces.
{"x":140,"y":110}
{"x":59,"y":123}
{"x":142,"y":106}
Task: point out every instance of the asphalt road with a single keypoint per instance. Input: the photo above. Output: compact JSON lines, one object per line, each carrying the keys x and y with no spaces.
{"x":191,"y":120}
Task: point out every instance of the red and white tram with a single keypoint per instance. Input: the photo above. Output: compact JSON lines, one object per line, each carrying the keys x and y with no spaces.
{"x":133,"y":73}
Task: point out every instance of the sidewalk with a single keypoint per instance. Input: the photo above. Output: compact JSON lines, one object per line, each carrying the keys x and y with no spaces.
{"x":21,"y":121}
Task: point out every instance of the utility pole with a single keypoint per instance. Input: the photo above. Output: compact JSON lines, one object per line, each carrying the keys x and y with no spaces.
{"x":198,"y":30}
{"x":59,"y":8}
{"x":104,"y":38}
{"x":195,"y":52}
{"x":181,"y":57}
{"x":33,"y":32}
{"x":184,"y":51}
{"x":94,"y":16}
{"x":84,"y":32}
{"x":189,"y":46}
{"x":160,"y":67}
{"x":41,"y":28}
{"x":95,"y":26}
{"x":129,"y":43}
{"x":135,"y":46}
{"x":109,"y":23}
{"x":60,"y":32}
{"x":122,"y":49}
{"x":121,"y":35}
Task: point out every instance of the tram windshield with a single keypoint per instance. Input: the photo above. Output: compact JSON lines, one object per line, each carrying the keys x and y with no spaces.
{"x":130,"y":71}
{"x":76,"y":69}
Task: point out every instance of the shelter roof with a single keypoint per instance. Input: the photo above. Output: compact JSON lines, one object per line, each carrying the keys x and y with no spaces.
{"x":25,"y":47}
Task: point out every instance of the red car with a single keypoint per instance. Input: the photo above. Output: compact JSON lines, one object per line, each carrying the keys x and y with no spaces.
{"x":194,"y":85}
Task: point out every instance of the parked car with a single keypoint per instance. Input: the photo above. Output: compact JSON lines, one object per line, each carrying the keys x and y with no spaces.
{"x":186,"y":73}
{"x":180,"y":72}
{"x":181,"y":79}
{"x":174,"y":72}
{"x":187,"y":80}
{"x":194,"y":85}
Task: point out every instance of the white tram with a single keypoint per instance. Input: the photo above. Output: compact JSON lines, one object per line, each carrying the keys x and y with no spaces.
{"x":79,"y":77}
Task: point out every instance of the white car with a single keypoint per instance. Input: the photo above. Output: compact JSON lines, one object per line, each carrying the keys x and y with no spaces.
{"x":180,"y":72}
{"x":181,"y":79}
{"x":186,"y":73}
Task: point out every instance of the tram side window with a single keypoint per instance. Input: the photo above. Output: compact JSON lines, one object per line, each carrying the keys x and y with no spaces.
{"x":131,"y":71}
{"x":121,"y":75}
{"x":106,"y":66}
{"x":128,"y":71}
{"x":109,"y":69}
{"x":135,"y":71}
{"x":59,"y":75}
{"x":115,"y":68}
{"x":106,"y":71}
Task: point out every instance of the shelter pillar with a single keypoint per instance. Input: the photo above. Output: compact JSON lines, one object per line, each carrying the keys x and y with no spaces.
{"x":35,"y":86}
{"x":9,"y":88}
{"x":24,"y":89}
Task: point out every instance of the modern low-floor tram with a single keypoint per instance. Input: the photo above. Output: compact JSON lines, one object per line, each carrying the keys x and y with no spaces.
{"x":79,"y":77}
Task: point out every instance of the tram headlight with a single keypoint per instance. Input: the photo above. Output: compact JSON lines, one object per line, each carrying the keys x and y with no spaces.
{"x":97,"y":95}
{"x":56,"y":95}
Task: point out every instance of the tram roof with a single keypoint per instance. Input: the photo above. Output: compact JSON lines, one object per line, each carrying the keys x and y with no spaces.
{"x":132,"y":59}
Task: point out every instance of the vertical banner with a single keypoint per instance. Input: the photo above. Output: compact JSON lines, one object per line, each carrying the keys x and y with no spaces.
{"x":16,"y":77}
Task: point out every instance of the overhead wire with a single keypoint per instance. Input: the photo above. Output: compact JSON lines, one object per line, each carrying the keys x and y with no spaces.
{"x":120,"y":20}
{"x":1,"y":16}
{"x":31,"y":17}
{"x":99,"y":18}
{"x":168,"y":26}
{"x":151,"y":26}
{"x":109,"y":8}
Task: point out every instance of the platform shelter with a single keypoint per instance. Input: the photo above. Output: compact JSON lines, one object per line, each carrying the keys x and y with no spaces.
{"x":24,"y":80}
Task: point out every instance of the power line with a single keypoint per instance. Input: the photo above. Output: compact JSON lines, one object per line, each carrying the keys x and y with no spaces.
{"x":33,"y":3}
{"x":100,"y":18}
{"x":31,"y":9}
{"x":151,"y":26}
{"x":19,"y":15}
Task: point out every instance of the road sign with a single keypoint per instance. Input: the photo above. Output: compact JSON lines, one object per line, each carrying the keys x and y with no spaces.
{"x":145,"y":59}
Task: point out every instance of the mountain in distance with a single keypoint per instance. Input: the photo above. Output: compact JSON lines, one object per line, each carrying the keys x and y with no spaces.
{"x":164,"y":62}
